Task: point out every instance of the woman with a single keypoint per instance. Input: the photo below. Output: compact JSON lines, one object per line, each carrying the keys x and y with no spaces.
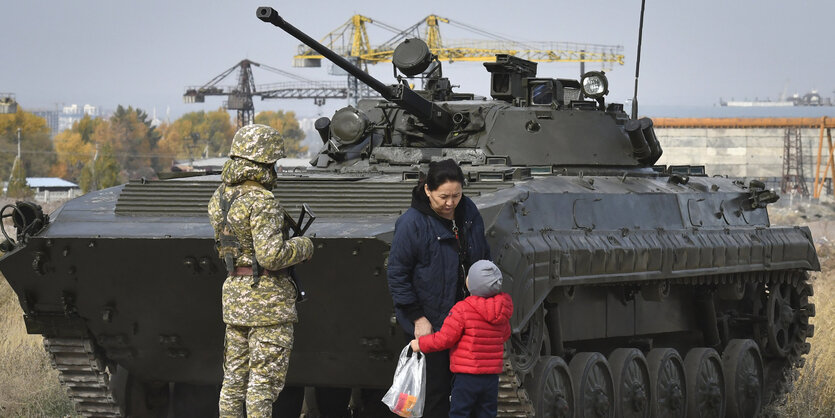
{"x":434,"y":244}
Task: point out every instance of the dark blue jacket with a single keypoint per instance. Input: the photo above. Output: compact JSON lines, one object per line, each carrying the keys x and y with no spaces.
{"x":423,"y":264}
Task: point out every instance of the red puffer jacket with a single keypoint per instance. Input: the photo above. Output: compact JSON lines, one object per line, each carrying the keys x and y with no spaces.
{"x":476,"y":330}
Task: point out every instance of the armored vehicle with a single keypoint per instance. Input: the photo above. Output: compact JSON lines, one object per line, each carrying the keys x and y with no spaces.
{"x":638,"y":290}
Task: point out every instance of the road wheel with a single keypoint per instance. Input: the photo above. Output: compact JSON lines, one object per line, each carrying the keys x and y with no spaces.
{"x":594,"y":391}
{"x":743,"y":378}
{"x":667,"y":378}
{"x":631,"y":378}
{"x":550,"y":388}
{"x":705,"y":383}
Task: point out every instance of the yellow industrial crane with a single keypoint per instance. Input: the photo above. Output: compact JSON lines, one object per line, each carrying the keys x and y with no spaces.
{"x":351,"y":41}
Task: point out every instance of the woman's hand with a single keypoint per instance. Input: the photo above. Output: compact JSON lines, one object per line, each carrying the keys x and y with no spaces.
{"x":422,"y":327}
{"x":415,"y":346}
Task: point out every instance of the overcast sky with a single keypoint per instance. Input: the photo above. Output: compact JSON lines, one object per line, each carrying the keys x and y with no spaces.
{"x":144,"y":53}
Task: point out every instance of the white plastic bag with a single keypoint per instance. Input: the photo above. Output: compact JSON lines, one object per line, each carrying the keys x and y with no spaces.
{"x":408,"y":390}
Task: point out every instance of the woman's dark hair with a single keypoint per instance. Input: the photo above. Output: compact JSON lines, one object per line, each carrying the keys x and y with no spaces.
{"x":441,"y":172}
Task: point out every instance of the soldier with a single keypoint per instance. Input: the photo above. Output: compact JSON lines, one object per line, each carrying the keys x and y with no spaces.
{"x":258,"y":295}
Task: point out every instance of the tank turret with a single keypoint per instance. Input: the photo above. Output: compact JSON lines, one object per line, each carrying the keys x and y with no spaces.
{"x":533,"y":121}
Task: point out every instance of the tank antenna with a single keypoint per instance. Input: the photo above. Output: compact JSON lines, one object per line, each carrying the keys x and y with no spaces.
{"x":638,"y":63}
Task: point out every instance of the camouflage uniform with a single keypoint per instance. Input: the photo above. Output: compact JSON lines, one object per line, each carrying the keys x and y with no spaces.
{"x":259,"y":312}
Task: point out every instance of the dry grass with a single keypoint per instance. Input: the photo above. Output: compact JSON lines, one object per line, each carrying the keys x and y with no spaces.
{"x":814,"y":390}
{"x":29,"y":386}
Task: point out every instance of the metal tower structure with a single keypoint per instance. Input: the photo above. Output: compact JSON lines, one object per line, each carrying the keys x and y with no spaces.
{"x":239,"y":97}
{"x":793,"y":177}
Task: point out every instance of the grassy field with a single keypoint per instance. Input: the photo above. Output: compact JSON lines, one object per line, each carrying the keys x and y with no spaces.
{"x":814,"y":390}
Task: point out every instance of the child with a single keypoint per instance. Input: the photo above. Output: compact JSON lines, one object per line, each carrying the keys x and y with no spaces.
{"x":476,"y":330}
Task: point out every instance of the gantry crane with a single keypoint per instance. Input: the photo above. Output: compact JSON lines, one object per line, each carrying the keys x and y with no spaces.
{"x":7,"y":103}
{"x":351,"y":41}
{"x":239,"y":97}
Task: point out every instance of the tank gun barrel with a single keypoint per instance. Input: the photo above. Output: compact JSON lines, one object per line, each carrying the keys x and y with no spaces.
{"x":434,"y":116}
{"x":270,"y":15}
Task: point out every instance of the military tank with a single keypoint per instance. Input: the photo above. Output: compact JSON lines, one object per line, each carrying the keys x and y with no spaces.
{"x":638,"y":290}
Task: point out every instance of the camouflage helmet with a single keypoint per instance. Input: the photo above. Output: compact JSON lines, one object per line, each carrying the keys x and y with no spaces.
{"x":259,"y":143}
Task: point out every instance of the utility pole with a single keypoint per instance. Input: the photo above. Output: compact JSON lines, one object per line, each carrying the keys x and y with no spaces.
{"x":582,"y":62}
{"x":16,"y":161}
{"x":93,"y":180}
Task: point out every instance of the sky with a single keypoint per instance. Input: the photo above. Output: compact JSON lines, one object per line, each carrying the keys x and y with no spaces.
{"x":144,"y":53}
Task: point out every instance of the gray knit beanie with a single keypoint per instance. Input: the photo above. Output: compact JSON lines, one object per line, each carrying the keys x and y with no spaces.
{"x":484,"y":279}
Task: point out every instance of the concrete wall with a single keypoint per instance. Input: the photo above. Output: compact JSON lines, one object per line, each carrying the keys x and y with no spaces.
{"x":736,"y":152}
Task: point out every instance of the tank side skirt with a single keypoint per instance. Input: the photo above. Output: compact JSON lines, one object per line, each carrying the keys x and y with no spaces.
{"x":608,"y":258}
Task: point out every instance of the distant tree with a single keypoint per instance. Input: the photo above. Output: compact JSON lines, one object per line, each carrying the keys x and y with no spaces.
{"x":17,"y":187}
{"x":197,"y":135}
{"x":127,"y":138}
{"x":35,"y":143}
{"x":86,"y":126}
{"x":74,"y":147}
{"x":288,"y":125}
{"x":130,"y":136}
{"x":100,"y":172}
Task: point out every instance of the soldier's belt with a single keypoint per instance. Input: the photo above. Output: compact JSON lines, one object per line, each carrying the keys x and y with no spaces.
{"x":247,"y":271}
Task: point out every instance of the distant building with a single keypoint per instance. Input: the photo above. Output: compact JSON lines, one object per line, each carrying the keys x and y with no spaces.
{"x":8,"y":104}
{"x":311,"y":140}
{"x":73,"y":113}
{"x":53,"y":184}
{"x":63,"y":119}
{"x":51,"y":117}
{"x":48,"y":189}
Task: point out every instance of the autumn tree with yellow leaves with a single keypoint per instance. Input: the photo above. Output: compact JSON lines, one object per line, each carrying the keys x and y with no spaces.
{"x":130,"y":140}
{"x":18,"y":187}
{"x":36,"y":147}
{"x":288,"y":125}
{"x":101,"y":172}
{"x":74,"y":147}
{"x":197,"y":135}
{"x":102,"y":152}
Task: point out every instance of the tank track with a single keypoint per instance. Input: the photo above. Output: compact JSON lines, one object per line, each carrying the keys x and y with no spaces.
{"x":83,"y":373}
{"x":794,"y":360}
{"x":785,"y":366}
{"x":87,"y":382}
{"x":513,"y":398}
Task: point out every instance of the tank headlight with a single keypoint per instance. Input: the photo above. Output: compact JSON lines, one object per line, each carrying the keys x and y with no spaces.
{"x":412,"y":57}
{"x":595,"y":84}
{"x":349,"y":125}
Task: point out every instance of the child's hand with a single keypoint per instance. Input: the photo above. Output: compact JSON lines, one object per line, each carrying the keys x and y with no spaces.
{"x":415,"y":346}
